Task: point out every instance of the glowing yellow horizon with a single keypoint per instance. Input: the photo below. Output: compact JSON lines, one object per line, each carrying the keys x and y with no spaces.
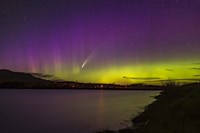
{"x":129,"y":73}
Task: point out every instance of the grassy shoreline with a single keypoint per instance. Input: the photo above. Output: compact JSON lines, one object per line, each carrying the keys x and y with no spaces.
{"x":176,"y":110}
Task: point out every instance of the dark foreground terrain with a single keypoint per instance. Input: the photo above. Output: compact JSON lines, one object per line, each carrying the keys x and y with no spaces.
{"x":176,"y":110}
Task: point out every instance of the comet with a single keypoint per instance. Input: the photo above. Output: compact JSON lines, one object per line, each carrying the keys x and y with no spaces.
{"x":84,"y":63}
{"x":91,"y":55}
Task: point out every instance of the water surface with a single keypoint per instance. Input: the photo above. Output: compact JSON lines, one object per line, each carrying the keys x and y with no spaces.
{"x":68,"y":111}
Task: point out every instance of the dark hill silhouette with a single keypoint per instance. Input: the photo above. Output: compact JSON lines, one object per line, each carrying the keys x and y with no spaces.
{"x":10,"y":76}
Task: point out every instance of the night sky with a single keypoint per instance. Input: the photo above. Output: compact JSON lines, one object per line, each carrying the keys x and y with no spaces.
{"x":109,"y":41}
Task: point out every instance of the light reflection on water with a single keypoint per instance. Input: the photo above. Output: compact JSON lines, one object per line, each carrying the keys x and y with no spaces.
{"x":66,"y":111}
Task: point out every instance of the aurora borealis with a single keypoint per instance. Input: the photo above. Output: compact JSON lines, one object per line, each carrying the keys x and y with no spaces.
{"x":107,"y":41}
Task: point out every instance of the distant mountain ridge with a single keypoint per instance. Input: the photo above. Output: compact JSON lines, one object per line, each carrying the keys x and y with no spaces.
{"x":10,"y":76}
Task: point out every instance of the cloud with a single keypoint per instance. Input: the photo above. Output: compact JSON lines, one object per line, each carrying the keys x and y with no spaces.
{"x":186,"y":79}
{"x":194,"y":68}
{"x":169,"y":70}
{"x":41,"y":75}
{"x":197,"y":63}
{"x":143,"y":78}
{"x":47,"y":77}
{"x":196,"y":75}
{"x":168,"y":80}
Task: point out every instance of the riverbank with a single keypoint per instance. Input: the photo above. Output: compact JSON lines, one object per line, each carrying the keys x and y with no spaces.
{"x":176,"y":110}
